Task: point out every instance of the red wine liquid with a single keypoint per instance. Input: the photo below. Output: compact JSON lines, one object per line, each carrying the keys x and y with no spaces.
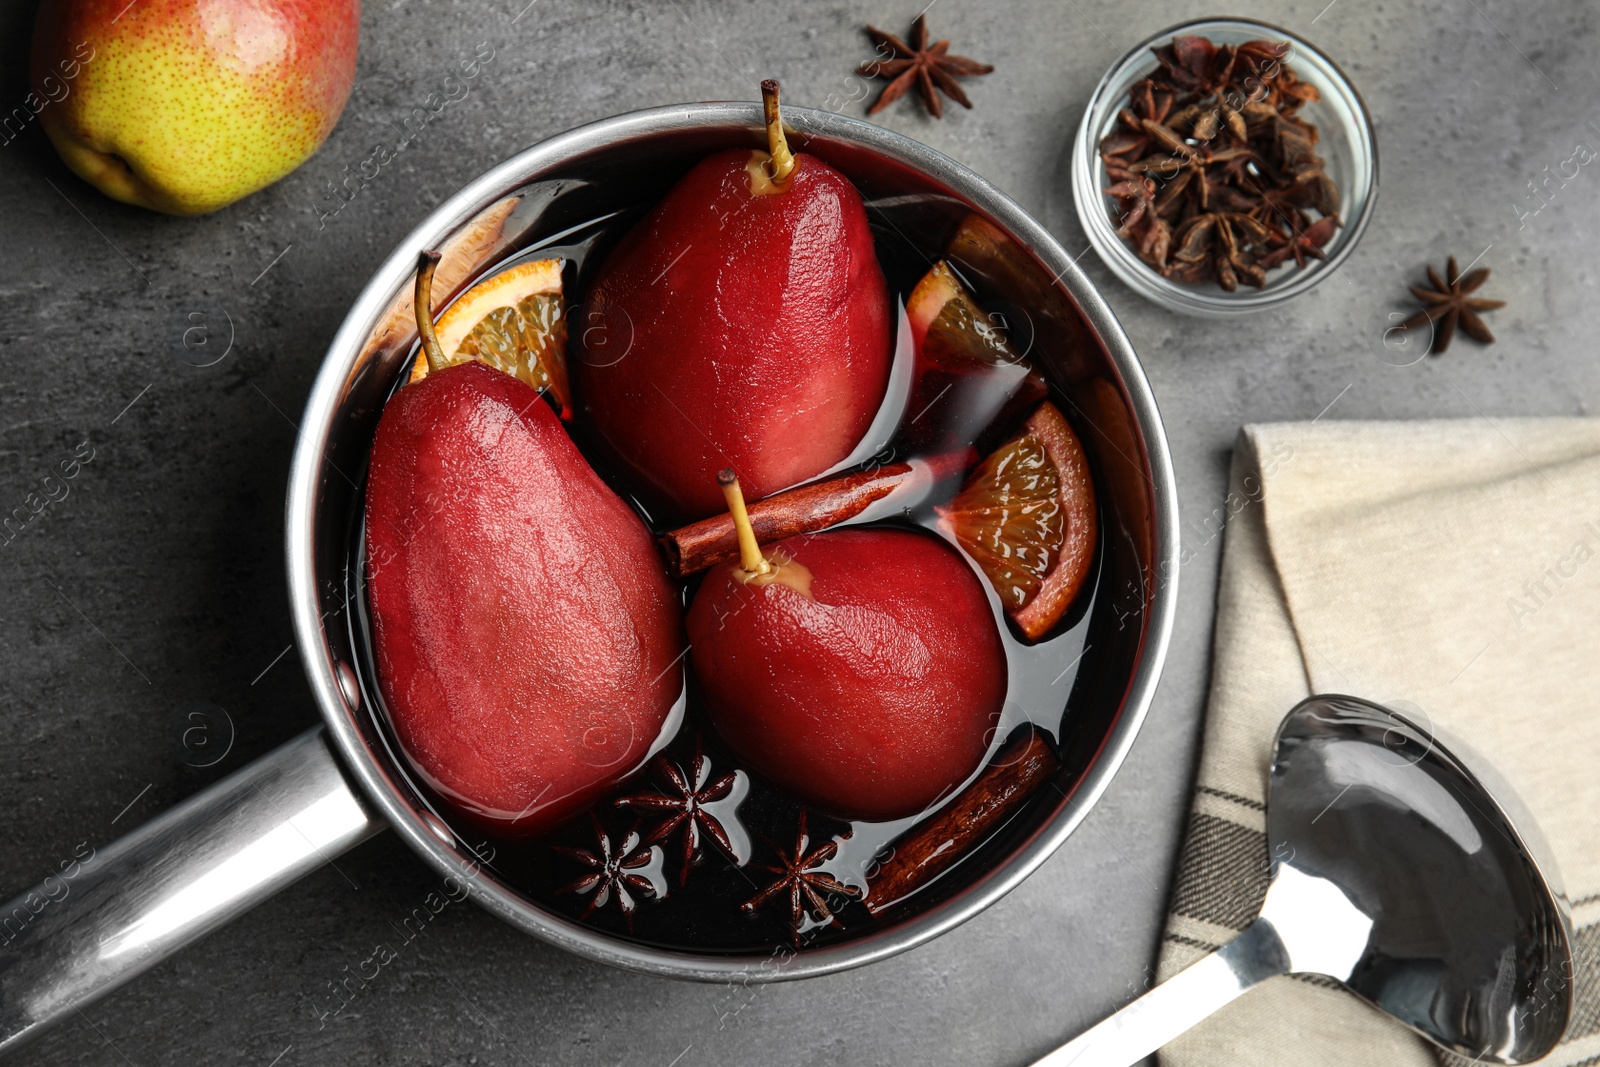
{"x":701,"y":907}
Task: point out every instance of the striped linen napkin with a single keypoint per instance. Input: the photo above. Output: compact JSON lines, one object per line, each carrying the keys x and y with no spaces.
{"x":1451,"y":569}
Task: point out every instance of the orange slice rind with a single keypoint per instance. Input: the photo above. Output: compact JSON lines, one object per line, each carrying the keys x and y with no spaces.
{"x":513,"y":322}
{"x":1026,"y":516}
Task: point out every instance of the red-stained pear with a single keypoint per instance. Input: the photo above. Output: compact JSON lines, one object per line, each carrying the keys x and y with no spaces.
{"x":743,"y":322}
{"x":860,"y":669}
{"x":526,"y":637}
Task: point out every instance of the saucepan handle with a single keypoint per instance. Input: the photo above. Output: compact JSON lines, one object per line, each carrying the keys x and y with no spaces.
{"x":114,"y":912}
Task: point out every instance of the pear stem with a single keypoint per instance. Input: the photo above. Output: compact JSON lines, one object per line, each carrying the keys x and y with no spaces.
{"x":423,"y":299}
{"x":778,"y":145}
{"x":750,"y":557}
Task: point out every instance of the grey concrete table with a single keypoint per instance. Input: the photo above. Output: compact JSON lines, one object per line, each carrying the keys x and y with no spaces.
{"x":155,"y":590}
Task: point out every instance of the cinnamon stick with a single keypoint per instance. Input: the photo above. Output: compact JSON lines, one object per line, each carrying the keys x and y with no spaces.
{"x":806,"y":509}
{"x":930,"y":849}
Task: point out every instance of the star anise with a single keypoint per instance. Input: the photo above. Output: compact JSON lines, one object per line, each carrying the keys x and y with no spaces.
{"x":1146,"y":101}
{"x":1191,"y":167}
{"x":1217,"y":239}
{"x":1189,"y":64}
{"x":685,"y":804}
{"x":1140,"y":193}
{"x":1300,"y":243}
{"x":613,"y":871}
{"x":931,"y":69}
{"x":1205,"y":122}
{"x":1238,"y":74}
{"x":1449,"y":302}
{"x":1214,"y":174}
{"x":799,"y":878}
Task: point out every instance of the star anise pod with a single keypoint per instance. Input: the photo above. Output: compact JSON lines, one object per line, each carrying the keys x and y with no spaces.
{"x":799,"y":878}
{"x":1190,"y":166}
{"x":1187,"y":64}
{"x":686,"y":804}
{"x":1205,"y":121}
{"x":1301,"y":244}
{"x":1147,"y":101}
{"x":1139,"y":194}
{"x":1220,"y":239}
{"x":1142,"y":222}
{"x":1449,"y":302}
{"x":932,"y":69}
{"x":1232,"y":260}
{"x":614,"y":870}
{"x":1277,"y":206}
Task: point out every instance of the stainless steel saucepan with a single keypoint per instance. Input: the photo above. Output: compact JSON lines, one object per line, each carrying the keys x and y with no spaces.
{"x":141,"y":898}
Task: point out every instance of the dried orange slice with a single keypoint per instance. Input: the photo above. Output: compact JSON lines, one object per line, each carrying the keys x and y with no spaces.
{"x":969,"y":376}
{"x":513,"y":322}
{"x":1027,"y":516}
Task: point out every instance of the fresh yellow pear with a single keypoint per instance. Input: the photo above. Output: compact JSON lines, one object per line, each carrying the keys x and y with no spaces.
{"x":185,"y":106}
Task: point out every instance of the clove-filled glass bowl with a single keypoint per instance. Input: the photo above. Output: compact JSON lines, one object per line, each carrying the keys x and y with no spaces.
{"x":1346,"y":143}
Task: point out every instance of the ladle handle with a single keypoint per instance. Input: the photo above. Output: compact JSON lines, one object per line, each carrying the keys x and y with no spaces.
{"x":1178,"y":1003}
{"x":117,"y":911}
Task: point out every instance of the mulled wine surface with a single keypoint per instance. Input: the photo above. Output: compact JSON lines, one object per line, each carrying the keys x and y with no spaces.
{"x":744,"y":867}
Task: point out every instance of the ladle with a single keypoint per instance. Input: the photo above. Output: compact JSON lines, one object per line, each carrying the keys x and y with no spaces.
{"x":1405,"y":869}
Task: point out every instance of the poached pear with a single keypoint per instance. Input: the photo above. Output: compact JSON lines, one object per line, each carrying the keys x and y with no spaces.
{"x":526,"y":637}
{"x":860,"y":669}
{"x":756,"y":326}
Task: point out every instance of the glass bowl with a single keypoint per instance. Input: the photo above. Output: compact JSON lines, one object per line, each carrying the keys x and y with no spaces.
{"x":1346,"y":143}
